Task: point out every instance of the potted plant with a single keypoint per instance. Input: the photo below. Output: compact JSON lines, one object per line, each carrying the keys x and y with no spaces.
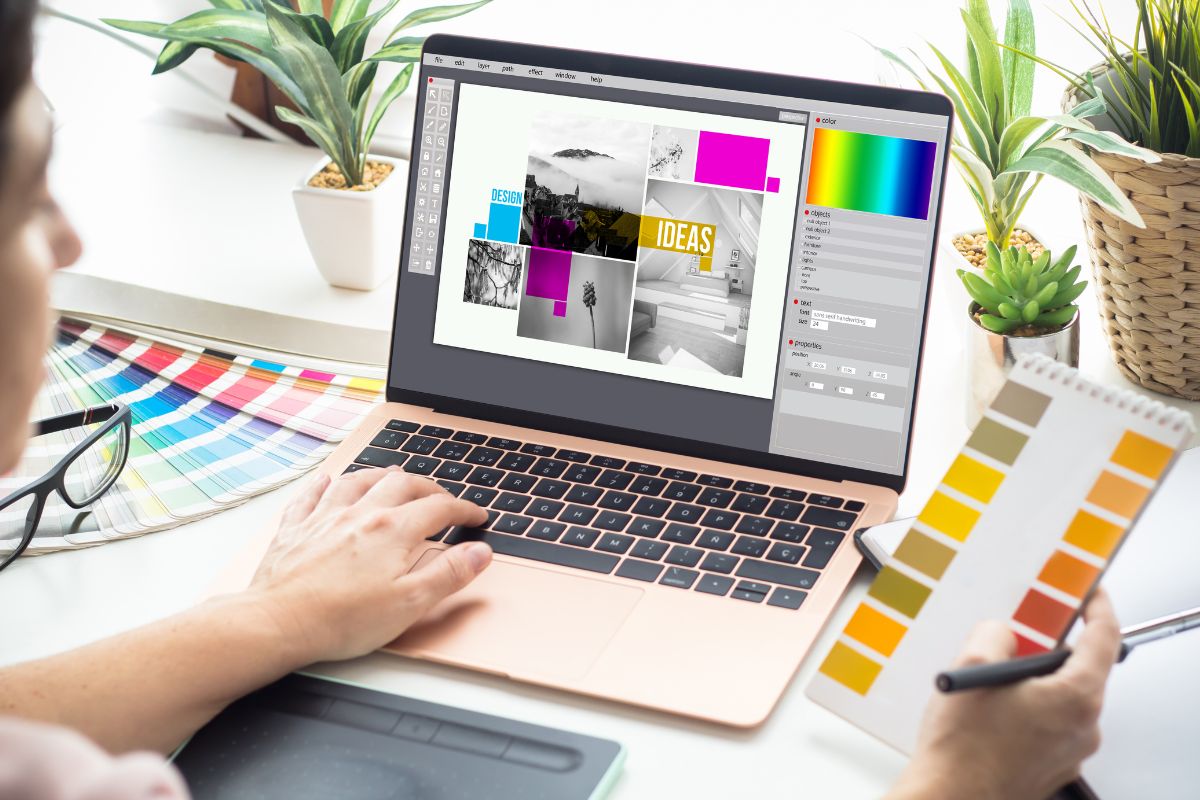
{"x":1019,"y":304}
{"x":350,"y":201}
{"x":1001,"y":150}
{"x":1147,"y":276}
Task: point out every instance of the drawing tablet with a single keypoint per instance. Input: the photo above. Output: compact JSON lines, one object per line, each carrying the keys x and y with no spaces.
{"x":306,"y":737}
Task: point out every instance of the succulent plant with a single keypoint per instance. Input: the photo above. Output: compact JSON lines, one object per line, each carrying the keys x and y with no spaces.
{"x":1019,"y":291}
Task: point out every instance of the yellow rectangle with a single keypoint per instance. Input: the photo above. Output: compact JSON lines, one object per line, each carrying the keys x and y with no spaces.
{"x":366,"y":384}
{"x":1097,"y":536}
{"x":850,"y":668}
{"x":973,"y":478}
{"x":877,"y":631}
{"x":1142,"y":454}
{"x":677,"y":235}
{"x":946,"y":515}
{"x":1119,"y":495}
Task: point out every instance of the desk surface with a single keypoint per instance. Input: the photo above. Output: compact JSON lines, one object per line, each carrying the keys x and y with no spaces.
{"x":64,"y":600}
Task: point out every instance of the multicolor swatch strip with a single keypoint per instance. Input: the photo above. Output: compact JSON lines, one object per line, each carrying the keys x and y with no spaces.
{"x":872,"y":173}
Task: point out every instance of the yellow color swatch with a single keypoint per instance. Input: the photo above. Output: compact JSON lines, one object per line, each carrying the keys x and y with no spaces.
{"x":877,"y":631}
{"x":1097,"y":536}
{"x":1142,"y":454}
{"x":1119,"y":495}
{"x":949,"y":516}
{"x":367,"y":384}
{"x":850,"y":668}
{"x":973,"y":478}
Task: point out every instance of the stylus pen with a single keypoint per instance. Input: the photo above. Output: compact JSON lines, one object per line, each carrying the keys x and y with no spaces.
{"x":1003,"y":673}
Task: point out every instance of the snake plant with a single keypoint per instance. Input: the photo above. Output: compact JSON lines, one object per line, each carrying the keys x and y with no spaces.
{"x":1000,"y":149}
{"x":318,"y":63}
{"x":1018,"y":291}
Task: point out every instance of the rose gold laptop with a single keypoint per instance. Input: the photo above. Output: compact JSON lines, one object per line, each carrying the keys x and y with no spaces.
{"x":665,"y":322}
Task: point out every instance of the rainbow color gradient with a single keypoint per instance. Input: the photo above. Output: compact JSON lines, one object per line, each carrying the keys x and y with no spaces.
{"x":872,"y":173}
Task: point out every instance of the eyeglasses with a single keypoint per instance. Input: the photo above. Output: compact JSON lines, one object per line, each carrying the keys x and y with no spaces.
{"x":80,"y":478}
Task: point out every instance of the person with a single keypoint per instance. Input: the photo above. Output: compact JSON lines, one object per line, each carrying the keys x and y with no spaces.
{"x":338,"y":582}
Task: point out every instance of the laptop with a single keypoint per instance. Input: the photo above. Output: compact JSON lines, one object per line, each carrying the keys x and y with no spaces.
{"x":664,"y":321}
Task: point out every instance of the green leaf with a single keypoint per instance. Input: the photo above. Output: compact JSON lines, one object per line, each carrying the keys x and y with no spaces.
{"x":1017,"y":69}
{"x":991,"y":81}
{"x":1031,"y":311}
{"x":136,"y":26}
{"x":972,"y":113}
{"x":323,"y":138}
{"x":1046,"y":294}
{"x":345,"y":12}
{"x":226,"y":3}
{"x":1067,"y":295}
{"x":1089,"y":107}
{"x":359,"y":80}
{"x":247,"y":27}
{"x":1107,"y":142}
{"x":997,"y":324}
{"x":982,"y":14}
{"x":403,"y":50}
{"x":976,"y":173}
{"x":311,"y":7}
{"x":1065,"y":162}
{"x":394,"y":90}
{"x":980,"y":290}
{"x":173,"y":54}
{"x":351,"y":40}
{"x":1008,"y":310}
{"x":1055,"y":318}
{"x":897,"y":60}
{"x":1015,"y":135}
{"x":425,"y":16}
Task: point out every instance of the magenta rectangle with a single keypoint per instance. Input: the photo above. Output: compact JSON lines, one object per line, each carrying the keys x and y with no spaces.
{"x":773,"y":185}
{"x":312,"y":374}
{"x":549,"y":273}
{"x":726,"y":159}
{"x":560,"y":308}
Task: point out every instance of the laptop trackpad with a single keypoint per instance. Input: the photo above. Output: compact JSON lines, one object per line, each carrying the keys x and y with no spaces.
{"x":522,"y":621}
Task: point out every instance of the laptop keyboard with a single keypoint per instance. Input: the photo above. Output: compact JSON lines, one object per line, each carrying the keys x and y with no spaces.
{"x":647,"y":522}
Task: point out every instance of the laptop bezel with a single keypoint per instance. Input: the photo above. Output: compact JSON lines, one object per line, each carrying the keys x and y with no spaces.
{"x":698,"y":75}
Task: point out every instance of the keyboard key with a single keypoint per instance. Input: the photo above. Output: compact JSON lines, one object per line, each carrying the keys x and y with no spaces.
{"x":584,"y":494}
{"x":648,"y":485}
{"x":377,"y":457}
{"x":714,"y":584}
{"x":608,"y":462}
{"x":785,"y":509}
{"x":578,"y":515}
{"x":646,"y":527}
{"x":684,"y":556}
{"x":714,"y":480}
{"x":470,"y":438}
{"x":537,"y":449}
{"x":638,"y":570}
{"x":580,"y":537}
{"x":651,"y":506}
{"x":516,"y":482}
{"x":546,"y":530}
{"x":454,"y":451}
{"x":511,"y":502}
{"x":548,"y":488}
{"x":855,"y":505}
{"x":787,"y":598}
{"x":612,"y":479}
{"x":573,"y":455}
{"x":778,"y":573}
{"x":717,"y":498}
{"x":828,"y":518}
{"x":683,"y":492}
{"x":479,"y":495}
{"x":785,"y":553}
{"x":492,"y":516}
{"x":517,"y":462}
{"x":484,"y":456}
{"x":618,"y":501}
{"x":546,"y":509}
{"x":751,"y":503}
{"x":354,"y":468}
{"x":403,"y":426}
{"x":549,"y":467}
{"x":453,"y":487}
{"x":434,"y":430}
{"x":524,"y":547}
{"x":511,"y":523}
{"x":827,"y":500}
{"x":753,"y":586}
{"x":676,"y":532}
{"x":614,"y":543}
{"x":422,"y":445}
{"x":453,"y":471}
{"x":818,"y":559}
{"x":784,"y":493}
{"x":390,"y":440}
{"x":648,"y":549}
{"x":612,"y":520}
{"x":504,"y":444}
{"x":755,"y":526}
{"x":682,"y":512}
{"x":581,"y":473}
{"x":422,"y":465}
{"x":719,"y":562}
{"x":751,"y":487}
{"x":749,"y":546}
{"x":789,"y":532}
{"x":742,"y":594}
{"x":684,"y":475}
{"x":716,"y":518}
{"x":679,"y":578}
{"x":437,"y":537}
{"x":823,"y":539}
{"x":642,"y":468}
{"x":485,"y":476}
{"x":715,"y":540}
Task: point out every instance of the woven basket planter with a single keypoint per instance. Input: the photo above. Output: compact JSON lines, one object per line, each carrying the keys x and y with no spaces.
{"x":1147,"y":280}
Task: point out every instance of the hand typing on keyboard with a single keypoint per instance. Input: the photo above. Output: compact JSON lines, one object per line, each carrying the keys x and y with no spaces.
{"x":337,"y":575}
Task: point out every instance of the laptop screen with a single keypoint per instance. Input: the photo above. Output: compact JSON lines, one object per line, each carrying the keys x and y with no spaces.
{"x":736,"y":261}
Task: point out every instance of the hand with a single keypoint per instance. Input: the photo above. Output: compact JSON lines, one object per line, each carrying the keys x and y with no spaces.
{"x":337,"y":576}
{"x":1024,"y":741}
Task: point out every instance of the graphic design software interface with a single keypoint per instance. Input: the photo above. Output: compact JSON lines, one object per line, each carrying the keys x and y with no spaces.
{"x":741,"y":269}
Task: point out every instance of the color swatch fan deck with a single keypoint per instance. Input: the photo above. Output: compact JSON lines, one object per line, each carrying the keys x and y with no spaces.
{"x":1022,"y":526}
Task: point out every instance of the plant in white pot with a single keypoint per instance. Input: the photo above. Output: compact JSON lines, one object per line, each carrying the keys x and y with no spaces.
{"x":351,"y":202}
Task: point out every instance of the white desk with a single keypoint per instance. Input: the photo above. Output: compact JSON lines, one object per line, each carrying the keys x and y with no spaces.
{"x":63,"y":600}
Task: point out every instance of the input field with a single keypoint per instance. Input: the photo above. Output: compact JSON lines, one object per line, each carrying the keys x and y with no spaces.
{"x":844,"y":319}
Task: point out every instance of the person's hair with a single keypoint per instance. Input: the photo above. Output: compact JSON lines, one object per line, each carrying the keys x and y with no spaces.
{"x":16,"y":58}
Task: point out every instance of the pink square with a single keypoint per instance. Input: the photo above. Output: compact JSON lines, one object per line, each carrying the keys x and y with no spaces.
{"x":560,"y":308}
{"x":773,"y":185}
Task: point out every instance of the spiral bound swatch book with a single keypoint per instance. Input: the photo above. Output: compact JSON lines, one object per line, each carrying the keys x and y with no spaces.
{"x":1022,"y":526}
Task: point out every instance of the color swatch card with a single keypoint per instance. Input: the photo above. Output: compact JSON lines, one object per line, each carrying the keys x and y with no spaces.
{"x":1020,"y":529}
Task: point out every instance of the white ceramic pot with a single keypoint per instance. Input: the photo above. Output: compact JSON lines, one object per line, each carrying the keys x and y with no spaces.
{"x":354,"y":237}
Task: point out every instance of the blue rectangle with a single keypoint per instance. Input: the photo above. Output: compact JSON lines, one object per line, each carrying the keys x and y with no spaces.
{"x":480,"y":230}
{"x":504,"y":223}
{"x":267,"y":365}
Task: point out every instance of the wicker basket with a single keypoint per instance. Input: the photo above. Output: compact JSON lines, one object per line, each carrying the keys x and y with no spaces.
{"x":1147,"y":279}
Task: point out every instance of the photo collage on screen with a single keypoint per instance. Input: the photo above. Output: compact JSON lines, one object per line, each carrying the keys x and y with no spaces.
{"x":628,"y":237}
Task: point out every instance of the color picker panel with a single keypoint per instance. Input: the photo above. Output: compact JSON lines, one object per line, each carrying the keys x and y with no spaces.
{"x":872,"y":173}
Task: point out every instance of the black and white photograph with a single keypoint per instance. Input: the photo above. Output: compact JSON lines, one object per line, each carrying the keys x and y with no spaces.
{"x":494,"y":272}
{"x":584,"y":185}
{"x":673,"y":153}
{"x":595,"y":313}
